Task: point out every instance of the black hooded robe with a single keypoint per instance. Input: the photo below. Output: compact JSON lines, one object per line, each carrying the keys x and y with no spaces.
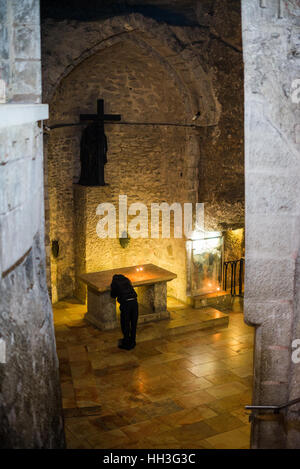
{"x":93,"y":149}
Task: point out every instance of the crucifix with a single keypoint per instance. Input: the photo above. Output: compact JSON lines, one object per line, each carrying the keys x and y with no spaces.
{"x":93,"y":146}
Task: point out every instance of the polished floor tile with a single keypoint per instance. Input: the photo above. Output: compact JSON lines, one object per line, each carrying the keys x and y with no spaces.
{"x":234,"y":439}
{"x":174,"y":390}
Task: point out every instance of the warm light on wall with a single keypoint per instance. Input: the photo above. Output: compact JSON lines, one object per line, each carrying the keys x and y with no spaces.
{"x":238,"y":234}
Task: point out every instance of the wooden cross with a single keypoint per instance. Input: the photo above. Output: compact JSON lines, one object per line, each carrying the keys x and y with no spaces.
{"x":100,"y":117}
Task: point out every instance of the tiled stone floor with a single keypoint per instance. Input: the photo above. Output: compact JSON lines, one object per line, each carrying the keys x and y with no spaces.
{"x":180,"y":391}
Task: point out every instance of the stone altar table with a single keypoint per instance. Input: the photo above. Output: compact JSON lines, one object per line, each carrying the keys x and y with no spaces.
{"x":150,"y":282}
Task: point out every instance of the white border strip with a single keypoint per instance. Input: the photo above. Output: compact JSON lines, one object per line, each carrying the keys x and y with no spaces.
{"x":18,"y":114}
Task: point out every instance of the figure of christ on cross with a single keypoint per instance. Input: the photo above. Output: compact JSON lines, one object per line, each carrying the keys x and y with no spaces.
{"x":93,"y":146}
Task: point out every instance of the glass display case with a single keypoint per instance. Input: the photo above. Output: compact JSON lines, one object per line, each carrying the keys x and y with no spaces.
{"x":206,"y":257}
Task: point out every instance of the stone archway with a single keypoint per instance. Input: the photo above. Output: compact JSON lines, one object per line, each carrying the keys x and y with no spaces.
{"x":177,"y":55}
{"x":160,"y":44}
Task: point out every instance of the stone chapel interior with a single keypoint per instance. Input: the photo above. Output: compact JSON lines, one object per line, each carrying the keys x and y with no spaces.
{"x":196,"y":99}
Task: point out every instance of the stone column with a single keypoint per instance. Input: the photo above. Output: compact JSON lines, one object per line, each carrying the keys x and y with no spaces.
{"x":30,"y":398}
{"x":101,"y":310}
{"x":272,"y":118}
{"x":153,"y":302}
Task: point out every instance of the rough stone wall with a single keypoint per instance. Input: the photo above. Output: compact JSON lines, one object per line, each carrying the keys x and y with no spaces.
{"x":221,"y":166}
{"x":147,"y":163}
{"x":30,"y":403}
{"x":197,"y":47}
{"x":234,"y":244}
{"x":271,"y":53}
{"x":20,"y":54}
{"x":60,"y":164}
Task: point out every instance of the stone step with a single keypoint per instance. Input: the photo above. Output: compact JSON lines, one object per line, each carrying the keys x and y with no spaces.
{"x":221,"y":298}
{"x":145,"y":317}
{"x":183,"y":318}
{"x":182,"y":321}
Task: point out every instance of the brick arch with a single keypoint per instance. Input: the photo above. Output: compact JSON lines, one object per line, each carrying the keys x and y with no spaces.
{"x":181,"y":62}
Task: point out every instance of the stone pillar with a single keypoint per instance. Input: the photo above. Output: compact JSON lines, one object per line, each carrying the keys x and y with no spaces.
{"x":101,"y":310}
{"x":272,"y":118}
{"x":30,"y":399}
{"x":153,"y":302}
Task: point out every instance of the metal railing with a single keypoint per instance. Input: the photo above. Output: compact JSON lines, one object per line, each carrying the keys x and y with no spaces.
{"x":232,"y":267}
{"x":275,"y":408}
{"x":263,"y":410}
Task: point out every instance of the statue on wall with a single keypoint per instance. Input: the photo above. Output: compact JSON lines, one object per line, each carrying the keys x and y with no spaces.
{"x":93,"y":150}
{"x":93,"y":146}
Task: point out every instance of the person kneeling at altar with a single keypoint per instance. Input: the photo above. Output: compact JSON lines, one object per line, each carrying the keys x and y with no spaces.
{"x":122,"y":289}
